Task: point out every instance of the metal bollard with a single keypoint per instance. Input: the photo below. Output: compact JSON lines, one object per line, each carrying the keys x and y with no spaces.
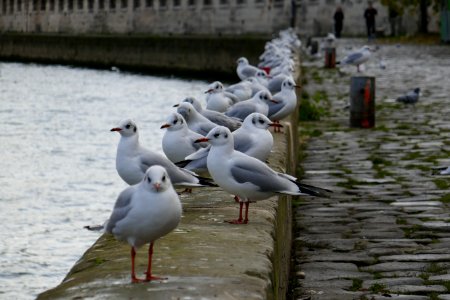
{"x":362,"y":102}
{"x":330,"y":57}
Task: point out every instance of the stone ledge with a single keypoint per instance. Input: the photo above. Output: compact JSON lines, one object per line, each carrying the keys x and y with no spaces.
{"x":204,"y":256}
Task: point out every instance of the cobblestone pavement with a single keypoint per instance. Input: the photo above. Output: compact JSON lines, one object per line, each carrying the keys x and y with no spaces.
{"x":385,"y":231}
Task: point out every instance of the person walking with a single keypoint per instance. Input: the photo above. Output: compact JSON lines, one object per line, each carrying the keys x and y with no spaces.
{"x":338,"y":21}
{"x":369,"y":15}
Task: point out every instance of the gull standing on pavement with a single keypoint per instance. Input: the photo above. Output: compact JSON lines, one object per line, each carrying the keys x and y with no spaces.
{"x":133,"y":160}
{"x":411,"y":97}
{"x":145,"y":212}
{"x":178,"y":140}
{"x":357,"y":57}
{"x":246,"y":177}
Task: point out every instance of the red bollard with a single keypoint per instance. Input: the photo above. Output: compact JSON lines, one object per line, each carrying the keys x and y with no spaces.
{"x":330,"y":58}
{"x":362,"y":102}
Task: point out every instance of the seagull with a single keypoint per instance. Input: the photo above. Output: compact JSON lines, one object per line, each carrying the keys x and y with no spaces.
{"x":214,"y":116}
{"x":145,"y":212}
{"x":258,"y":103}
{"x":195,"y":120}
{"x":217,"y":99}
{"x":410,"y":97}
{"x":274,"y":84}
{"x":253,"y":139}
{"x":178,"y":140}
{"x":262,"y":77}
{"x":245,"y":70}
{"x":357,"y":57}
{"x":133,"y":160}
{"x":246,"y":177}
{"x":286,"y":101}
{"x":256,"y":86}
{"x":242,"y":90}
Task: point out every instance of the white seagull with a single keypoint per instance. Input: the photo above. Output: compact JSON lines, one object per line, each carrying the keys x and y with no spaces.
{"x":133,"y":160}
{"x":286,"y":101}
{"x":357,"y":57}
{"x":145,"y":212}
{"x":245,"y":70}
{"x":253,"y":139}
{"x":217,"y":99}
{"x":195,"y":120}
{"x":214,"y":116}
{"x":178,"y":140}
{"x":258,"y":103}
{"x":246,"y":177}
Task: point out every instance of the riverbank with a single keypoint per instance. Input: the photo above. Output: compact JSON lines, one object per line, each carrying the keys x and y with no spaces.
{"x":202,"y":57}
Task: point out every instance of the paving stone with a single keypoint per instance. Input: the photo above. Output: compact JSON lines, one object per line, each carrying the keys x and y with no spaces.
{"x":397,"y":297}
{"x":418,"y":289}
{"x":390,"y":282}
{"x":438,"y":225}
{"x":355,"y":257}
{"x":444,"y":297}
{"x":445,"y":277}
{"x":416,"y":258}
{"x":395,"y":266}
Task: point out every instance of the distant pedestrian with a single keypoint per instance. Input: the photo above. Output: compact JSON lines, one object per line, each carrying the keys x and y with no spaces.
{"x":338,"y":21}
{"x":393,"y":16}
{"x":369,"y":15}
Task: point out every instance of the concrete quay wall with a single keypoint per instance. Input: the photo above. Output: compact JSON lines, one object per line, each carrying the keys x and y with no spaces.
{"x":192,"y":56}
{"x":205,"y":258}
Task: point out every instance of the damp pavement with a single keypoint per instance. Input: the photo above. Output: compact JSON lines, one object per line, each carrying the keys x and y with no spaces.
{"x":385,"y":231}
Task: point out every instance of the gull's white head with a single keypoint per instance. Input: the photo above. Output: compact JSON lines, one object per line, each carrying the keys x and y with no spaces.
{"x":215,"y":87}
{"x":262,"y":74}
{"x":156,"y":179}
{"x":257,"y":120}
{"x":195,"y":103}
{"x":218,"y":136}
{"x":126,"y":128}
{"x":242,"y":61}
{"x":175,"y":121}
{"x":186,"y":110}
{"x":264,"y":96}
{"x":288,"y":84}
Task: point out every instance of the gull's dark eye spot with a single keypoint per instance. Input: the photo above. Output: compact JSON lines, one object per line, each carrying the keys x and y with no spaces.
{"x":128,"y":126}
{"x":261,"y":121}
{"x":181,"y":121}
{"x":175,"y":122}
{"x":149,"y":179}
{"x":216,"y":135}
{"x":253,"y":121}
{"x":164,"y":178}
{"x":226,"y":135}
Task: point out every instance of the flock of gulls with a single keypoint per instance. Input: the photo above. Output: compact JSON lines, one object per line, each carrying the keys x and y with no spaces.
{"x":227,"y":141}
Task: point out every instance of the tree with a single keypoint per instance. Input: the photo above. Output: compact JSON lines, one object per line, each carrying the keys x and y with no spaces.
{"x":401,"y":5}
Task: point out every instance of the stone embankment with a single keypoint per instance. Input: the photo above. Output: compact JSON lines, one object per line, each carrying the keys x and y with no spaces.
{"x":385,"y":232}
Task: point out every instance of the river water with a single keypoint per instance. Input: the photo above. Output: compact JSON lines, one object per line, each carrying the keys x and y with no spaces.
{"x":57,"y":161}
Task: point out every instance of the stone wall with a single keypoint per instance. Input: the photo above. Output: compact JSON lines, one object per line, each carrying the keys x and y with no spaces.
{"x":203,"y":57}
{"x":205,"y":258}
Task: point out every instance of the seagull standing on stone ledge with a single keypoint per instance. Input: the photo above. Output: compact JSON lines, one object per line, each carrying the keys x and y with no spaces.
{"x":145,"y":212}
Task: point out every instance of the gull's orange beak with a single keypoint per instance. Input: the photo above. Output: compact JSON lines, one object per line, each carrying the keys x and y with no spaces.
{"x":276,"y":125}
{"x":201,"y":140}
{"x":116,"y":129}
{"x":165,"y":126}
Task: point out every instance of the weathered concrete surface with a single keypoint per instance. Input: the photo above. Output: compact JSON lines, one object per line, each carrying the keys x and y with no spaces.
{"x":205,"y":257}
{"x":192,"y":56}
{"x":384,"y":232}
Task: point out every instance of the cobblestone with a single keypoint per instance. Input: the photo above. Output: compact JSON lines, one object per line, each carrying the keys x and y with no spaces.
{"x":385,"y":231}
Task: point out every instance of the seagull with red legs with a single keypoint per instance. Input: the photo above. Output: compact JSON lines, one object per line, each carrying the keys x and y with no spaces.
{"x":286,"y":102}
{"x":145,"y":212}
{"x":246,"y":177}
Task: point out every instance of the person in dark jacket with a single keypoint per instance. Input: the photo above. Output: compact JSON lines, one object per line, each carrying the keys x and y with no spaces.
{"x":369,"y":15}
{"x":338,"y":21}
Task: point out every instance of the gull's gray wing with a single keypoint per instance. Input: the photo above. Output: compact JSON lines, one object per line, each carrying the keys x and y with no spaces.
{"x":274,"y":108}
{"x":121,"y":208}
{"x":242,"y":143}
{"x":249,"y":71}
{"x":258,"y":174}
{"x":223,"y":120}
{"x":241,"y":110}
{"x":232,"y":96}
{"x":352,"y":57}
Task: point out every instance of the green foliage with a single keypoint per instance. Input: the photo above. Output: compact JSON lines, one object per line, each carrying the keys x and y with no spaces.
{"x":402,"y":5}
{"x":356,"y":284}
